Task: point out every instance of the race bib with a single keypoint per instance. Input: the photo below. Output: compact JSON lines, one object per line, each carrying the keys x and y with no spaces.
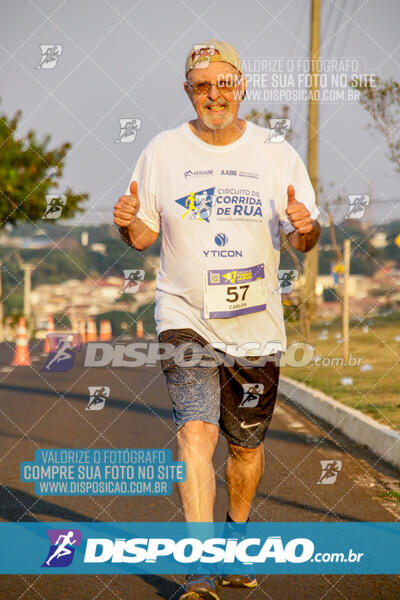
{"x":231,"y":293}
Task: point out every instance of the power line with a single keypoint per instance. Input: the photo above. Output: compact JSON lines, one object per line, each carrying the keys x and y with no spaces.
{"x":328,"y":20}
{"x":348,"y":28}
{"x":335,"y":29}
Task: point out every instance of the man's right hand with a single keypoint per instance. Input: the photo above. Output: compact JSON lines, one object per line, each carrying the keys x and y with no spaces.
{"x":127,"y":207}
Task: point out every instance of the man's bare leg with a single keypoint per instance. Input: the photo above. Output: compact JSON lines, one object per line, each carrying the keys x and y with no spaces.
{"x":244,"y":469}
{"x":196,"y":446}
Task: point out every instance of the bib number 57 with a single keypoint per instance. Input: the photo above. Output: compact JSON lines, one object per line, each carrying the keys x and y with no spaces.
{"x":232,"y":294}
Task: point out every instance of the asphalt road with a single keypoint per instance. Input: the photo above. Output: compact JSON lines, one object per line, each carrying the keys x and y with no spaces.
{"x":47,"y":410}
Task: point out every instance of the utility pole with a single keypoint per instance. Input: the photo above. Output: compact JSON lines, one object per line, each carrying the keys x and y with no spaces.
{"x":345,"y":314}
{"x":27,"y":268}
{"x":311,"y":258}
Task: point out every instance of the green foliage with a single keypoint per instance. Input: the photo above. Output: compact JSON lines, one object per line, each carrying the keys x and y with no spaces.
{"x":28,"y":171}
{"x":62,"y":321}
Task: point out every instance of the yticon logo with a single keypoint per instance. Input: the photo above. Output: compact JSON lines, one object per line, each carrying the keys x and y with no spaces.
{"x":189,"y":550}
{"x":62,"y":547}
{"x":221,"y":240}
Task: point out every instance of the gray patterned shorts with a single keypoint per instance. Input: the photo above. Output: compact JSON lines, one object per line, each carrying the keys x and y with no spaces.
{"x":225,"y":391}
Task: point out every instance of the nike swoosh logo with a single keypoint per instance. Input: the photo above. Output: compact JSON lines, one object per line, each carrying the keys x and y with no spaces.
{"x":244,"y":425}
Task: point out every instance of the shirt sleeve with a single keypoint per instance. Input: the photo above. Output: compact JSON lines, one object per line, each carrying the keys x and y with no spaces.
{"x":297,"y":176}
{"x":142,"y":174}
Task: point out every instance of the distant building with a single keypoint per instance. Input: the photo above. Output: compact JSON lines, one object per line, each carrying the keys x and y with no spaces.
{"x":79,"y":298}
{"x":98,"y":247}
{"x":379,"y":239}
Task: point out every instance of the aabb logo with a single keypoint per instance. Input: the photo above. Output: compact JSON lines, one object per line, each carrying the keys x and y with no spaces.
{"x":62,"y":547}
{"x":198,"y":205}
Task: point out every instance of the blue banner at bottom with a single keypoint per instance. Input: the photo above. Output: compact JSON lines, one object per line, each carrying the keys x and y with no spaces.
{"x":173,"y":548}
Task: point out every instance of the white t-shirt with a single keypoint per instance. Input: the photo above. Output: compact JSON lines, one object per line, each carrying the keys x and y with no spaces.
{"x":220,"y":209}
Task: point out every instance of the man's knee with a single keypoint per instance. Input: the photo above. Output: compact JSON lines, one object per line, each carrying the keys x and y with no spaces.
{"x":247,"y":455}
{"x":198,"y":436}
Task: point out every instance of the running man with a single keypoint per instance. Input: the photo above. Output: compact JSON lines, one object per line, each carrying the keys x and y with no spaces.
{"x":63,"y":345}
{"x":62,"y":549}
{"x":255,"y":186}
{"x":190,"y":205}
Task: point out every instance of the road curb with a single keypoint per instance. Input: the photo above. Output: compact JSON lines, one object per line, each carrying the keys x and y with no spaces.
{"x":382,"y":440}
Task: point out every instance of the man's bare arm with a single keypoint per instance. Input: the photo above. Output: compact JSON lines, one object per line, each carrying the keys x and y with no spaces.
{"x":132,"y":229}
{"x":306,"y":230}
{"x":304,"y":242}
{"x":138,"y":235}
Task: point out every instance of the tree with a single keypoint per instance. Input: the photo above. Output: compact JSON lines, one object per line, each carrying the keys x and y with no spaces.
{"x":382,"y":102}
{"x":29,"y":170}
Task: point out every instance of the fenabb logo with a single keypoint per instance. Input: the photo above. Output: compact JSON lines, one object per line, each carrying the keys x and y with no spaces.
{"x":204,"y":173}
{"x":190,"y":550}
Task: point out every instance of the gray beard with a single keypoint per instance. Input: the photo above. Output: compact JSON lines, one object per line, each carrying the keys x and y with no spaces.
{"x":208,"y":122}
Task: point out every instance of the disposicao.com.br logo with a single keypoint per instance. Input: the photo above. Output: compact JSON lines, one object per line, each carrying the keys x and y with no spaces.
{"x":190,"y":550}
{"x":213,"y":551}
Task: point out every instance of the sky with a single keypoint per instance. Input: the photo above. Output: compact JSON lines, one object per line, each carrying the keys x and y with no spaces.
{"x":124,"y":59}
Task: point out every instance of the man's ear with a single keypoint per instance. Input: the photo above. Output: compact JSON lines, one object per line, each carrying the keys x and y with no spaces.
{"x":185,"y":85}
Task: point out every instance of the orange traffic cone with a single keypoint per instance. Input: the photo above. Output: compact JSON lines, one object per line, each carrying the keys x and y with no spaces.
{"x":50,"y":329}
{"x":105,"y":330}
{"x":139,"y":328}
{"x":75,"y":324}
{"x":82,"y":330}
{"x":21,"y":355}
{"x":91,"y":330}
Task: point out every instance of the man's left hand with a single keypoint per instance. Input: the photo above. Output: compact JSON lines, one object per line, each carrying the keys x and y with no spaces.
{"x":299,"y":215}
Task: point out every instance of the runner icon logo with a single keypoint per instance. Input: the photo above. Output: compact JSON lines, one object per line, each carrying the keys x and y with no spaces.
{"x":201,"y":55}
{"x":50,"y":55}
{"x":133,"y":278}
{"x":128,"y":130}
{"x":62,"y":351}
{"x":357,"y":206}
{"x":62,"y":547}
{"x":55,"y":204}
{"x":279,"y":129}
{"x":286,"y":279}
{"x":97,"y":397}
{"x":252,"y":393}
{"x":330,"y":471}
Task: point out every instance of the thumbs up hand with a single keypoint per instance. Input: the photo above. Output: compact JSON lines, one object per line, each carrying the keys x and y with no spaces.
{"x":127,"y":207}
{"x":299,"y":215}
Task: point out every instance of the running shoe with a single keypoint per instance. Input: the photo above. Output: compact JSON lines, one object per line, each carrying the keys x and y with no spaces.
{"x":238,"y":581}
{"x":200,"y":587}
